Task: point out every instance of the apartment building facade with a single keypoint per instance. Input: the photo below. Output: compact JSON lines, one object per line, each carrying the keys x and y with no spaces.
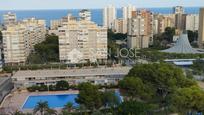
{"x":201,"y":29}
{"x":109,"y":15}
{"x":19,"y":40}
{"x":192,"y":22}
{"x":161,"y":22}
{"x":82,"y":41}
{"x":120,"y":26}
{"x":140,"y":29}
{"x":9,"y":18}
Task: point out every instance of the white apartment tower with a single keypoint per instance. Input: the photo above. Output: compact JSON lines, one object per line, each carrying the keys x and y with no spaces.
{"x":85,"y":15}
{"x":127,"y":11}
{"x":82,"y":41}
{"x":109,"y":15}
{"x":19,"y":39}
{"x":178,"y":10}
{"x":9,"y":18}
{"x":15,"y":38}
{"x":201,"y":28}
{"x":192,"y":22}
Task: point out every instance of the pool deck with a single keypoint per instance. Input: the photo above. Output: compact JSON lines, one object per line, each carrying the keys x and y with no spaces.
{"x":15,"y":100}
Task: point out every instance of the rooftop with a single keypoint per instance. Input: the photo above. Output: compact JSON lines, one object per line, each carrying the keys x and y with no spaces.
{"x":72,"y":72}
{"x":182,"y":46}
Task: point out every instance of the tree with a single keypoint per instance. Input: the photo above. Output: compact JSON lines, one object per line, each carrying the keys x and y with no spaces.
{"x":159,"y":80}
{"x":133,"y":108}
{"x":51,"y":112}
{"x":110,"y":99}
{"x":192,"y":35}
{"x":134,"y":88}
{"x":169,"y":33}
{"x":42,"y":107}
{"x":47,"y":51}
{"x":188,"y":100}
{"x":161,"y":75}
{"x":17,"y":112}
{"x":62,"y":85}
{"x":89,"y":96}
{"x":68,"y":106}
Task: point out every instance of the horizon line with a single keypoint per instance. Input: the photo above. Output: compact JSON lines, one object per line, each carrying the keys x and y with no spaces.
{"x":96,"y":8}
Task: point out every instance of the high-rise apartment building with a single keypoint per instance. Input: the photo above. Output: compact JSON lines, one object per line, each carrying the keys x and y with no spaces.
{"x":15,"y":44}
{"x":54,"y":24}
{"x":120,"y":26}
{"x":140,"y":29}
{"x":180,"y":18}
{"x":201,"y":28}
{"x":161,"y":22}
{"x":9,"y":18}
{"x":82,"y":41}
{"x":19,"y":39}
{"x":192,"y":22}
{"x":178,"y":10}
{"x":85,"y":15}
{"x":109,"y":15}
{"x":127,"y":11}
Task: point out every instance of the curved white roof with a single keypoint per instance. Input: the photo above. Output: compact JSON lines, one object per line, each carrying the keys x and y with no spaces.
{"x":182,"y":46}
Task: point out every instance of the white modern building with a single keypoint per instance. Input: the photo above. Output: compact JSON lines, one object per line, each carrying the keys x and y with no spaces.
{"x":82,"y":41}
{"x":85,"y":15}
{"x":127,"y":11}
{"x":103,"y":76}
{"x":201,"y":29}
{"x":109,"y":15}
{"x":192,"y":22}
{"x":19,"y":39}
{"x":178,"y":10}
{"x":9,"y":18}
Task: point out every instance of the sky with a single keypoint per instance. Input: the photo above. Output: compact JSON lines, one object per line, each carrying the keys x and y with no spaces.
{"x":91,"y":4}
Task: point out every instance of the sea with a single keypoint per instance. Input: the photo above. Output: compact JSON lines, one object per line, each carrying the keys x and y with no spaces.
{"x":97,"y":14}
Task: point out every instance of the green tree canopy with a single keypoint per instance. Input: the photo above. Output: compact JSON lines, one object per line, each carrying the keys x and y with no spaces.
{"x":43,"y":108}
{"x":89,"y":96}
{"x":110,"y":99}
{"x":188,"y":99}
{"x":192,"y":35}
{"x":161,"y":75}
{"x":133,"y":108}
{"x":134,"y":88}
{"x":47,"y":51}
{"x":62,"y":85}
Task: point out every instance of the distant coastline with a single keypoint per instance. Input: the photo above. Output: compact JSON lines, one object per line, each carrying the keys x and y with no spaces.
{"x":97,"y":14}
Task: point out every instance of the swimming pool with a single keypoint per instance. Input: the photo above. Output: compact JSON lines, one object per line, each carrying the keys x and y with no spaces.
{"x":54,"y":101}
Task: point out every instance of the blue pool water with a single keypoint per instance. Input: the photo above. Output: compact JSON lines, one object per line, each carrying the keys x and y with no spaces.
{"x":54,"y":101}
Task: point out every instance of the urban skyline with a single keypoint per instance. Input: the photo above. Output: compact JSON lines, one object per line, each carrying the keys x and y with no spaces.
{"x":141,"y":62}
{"x":90,"y":4}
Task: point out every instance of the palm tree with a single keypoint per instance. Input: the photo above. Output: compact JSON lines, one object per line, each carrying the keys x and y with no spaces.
{"x":41,"y":107}
{"x":68,"y":106}
{"x":50,"y":112}
{"x":17,"y":112}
